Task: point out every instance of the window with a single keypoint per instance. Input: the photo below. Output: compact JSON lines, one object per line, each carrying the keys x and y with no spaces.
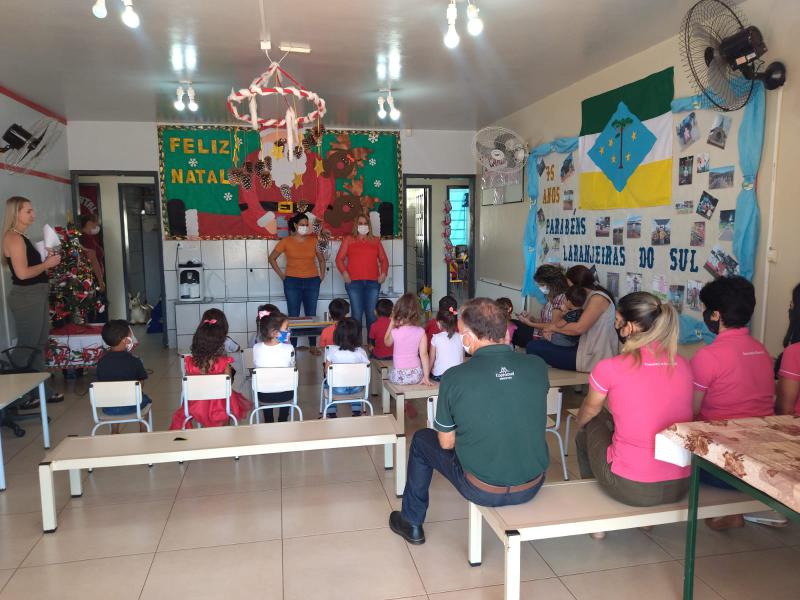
{"x":459,"y":215}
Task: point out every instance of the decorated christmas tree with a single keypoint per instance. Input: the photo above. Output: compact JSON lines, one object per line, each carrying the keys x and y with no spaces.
{"x":73,"y":286}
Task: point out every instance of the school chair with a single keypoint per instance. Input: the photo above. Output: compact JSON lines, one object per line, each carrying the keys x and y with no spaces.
{"x":196,"y":388}
{"x":271,"y":380}
{"x":554,"y":400}
{"x":345,"y":375}
{"x":112,"y":394}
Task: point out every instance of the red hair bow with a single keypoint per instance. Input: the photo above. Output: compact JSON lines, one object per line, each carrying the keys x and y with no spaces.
{"x":210,"y":322}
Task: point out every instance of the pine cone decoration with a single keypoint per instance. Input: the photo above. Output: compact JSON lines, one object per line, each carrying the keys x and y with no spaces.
{"x":235,"y":176}
{"x":248,"y":167}
{"x":265,"y":179}
{"x":298,"y":152}
{"x":286,"y":192}
{"x":260,"y":164}
{"x":247,"y":181}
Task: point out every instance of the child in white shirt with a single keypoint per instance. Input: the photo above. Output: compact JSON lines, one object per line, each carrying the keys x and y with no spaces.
{"x":346,"y":350}
{"x":446,"y":348}
{"x":274,"y":351}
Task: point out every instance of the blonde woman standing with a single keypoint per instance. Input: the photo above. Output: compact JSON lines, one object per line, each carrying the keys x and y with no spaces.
{"x":30,"y":288}
{"x":648,"y":387}
{"x":363,"y":265}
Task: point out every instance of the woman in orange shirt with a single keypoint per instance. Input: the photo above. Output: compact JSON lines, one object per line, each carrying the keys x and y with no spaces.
{"x":305,"y":269}
{"x":363,"y":265}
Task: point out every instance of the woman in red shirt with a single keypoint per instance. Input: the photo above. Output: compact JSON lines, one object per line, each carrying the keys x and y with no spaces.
{"x":363,"y":264}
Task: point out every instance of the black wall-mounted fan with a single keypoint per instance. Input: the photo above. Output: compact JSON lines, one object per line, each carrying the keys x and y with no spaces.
{"x":23,"y":147}
{"x":722,"y":55}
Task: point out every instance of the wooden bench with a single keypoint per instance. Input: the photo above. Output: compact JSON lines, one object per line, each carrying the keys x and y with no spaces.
{"x":401,"y":393}
{"x":380,"y":371}
{"x":76,"y":453}
{"x":582,"y":507}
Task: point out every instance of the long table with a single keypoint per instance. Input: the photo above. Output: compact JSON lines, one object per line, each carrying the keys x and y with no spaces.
{"x":13,"y":387}
{"x":757,"y":456}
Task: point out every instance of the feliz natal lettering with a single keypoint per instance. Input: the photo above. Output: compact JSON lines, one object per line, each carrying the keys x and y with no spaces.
{"x":189,"y":145}
{"x":200,"y":176}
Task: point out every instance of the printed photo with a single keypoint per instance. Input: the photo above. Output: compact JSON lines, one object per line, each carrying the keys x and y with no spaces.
{"x":702,"y":162}
{"x":685,"y":207}
{"x":676,"y":294}
{"x":693,"y":294}
{"x":634,"y":227}
{"x":707,"y":205}
{"x":612,"y":284}
{"x":569,"y":199}
{"x":567,"y":167}
{"x":633,"y":283}
{"x":662,"y":229}
{"x":617,"y":232}
{"x":602,"y":227}
{"x":540,"y":167}
{"x":556,"y":243}
{"x":688,"y":131}
{"x":721,"y":177}
{"x":727,"y":218}
{"x":659,"y":287}
{"x":545,"y":247}
{"x":540,"y":216}
{"x":697,"y":237}
{"x":685,"y":170}
{"x":718,"y":135}
{"x":721,"y":264}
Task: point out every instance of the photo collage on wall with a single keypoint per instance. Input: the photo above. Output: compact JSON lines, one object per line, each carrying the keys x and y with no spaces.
{"x":671,"y":250}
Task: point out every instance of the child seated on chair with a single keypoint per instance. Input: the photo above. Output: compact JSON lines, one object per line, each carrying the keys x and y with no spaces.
{"x":338,"y":310}
{"x":208,"y":357}
{"x":377,"y":347}
{"x":575,"y":299}
{"x":446,"y":347}
{"x":118,"y":364}
{"x":274,"y":351}
{"x":508,"y":308}
{"x":231,"y":345}
{"x":263,"y":311}
{"x":346,"y":349}
{"x":432,"y":326}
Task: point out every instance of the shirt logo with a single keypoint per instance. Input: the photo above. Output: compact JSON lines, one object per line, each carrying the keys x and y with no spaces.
{"x":754,"y":353}
{"x":504,"y":374}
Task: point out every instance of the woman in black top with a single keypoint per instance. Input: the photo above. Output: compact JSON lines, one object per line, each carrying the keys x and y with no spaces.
{"x":28,"y":300}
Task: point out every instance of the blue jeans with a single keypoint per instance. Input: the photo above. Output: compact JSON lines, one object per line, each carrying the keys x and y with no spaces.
{"x":426,"y":455}
{"x":347,"y":391}
{"x":560,"y":357}
{"x":119,"y":411}
{"x":363,"y":295}
{"x":305,"y":291}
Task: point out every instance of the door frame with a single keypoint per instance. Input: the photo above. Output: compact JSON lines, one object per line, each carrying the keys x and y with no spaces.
{"x":123,"y":217}
{"x":428,"y":266}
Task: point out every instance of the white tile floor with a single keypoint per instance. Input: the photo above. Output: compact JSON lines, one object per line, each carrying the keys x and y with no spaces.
{"x":314,"y":526}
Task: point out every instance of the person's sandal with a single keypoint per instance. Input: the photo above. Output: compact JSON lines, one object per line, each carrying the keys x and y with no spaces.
{"x":56,"y":398}
{"x":727,"y":522}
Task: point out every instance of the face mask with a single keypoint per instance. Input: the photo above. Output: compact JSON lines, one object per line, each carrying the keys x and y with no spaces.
{"x":94,"y":230}
{"x":466,"y":346}
{"x":621,"y":337}
{"x":302,"y":230}
{"x":363,"y":229}
{"x":544,"y":289}
{"x":131,"y":343}
{"x":283,"y":336}
{"x":713,"y":326}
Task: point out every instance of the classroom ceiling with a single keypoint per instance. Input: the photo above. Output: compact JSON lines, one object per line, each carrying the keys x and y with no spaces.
{"x":59,"y":55}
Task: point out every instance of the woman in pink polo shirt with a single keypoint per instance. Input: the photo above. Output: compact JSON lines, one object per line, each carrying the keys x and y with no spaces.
{"x":789,"y":382}
{"x":648,"y":388}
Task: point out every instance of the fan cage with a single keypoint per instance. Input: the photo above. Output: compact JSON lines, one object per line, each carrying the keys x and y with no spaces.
{"x":486,"y":138}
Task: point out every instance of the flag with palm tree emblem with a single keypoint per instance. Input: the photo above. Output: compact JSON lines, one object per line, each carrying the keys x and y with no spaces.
{"x":625,"y":146}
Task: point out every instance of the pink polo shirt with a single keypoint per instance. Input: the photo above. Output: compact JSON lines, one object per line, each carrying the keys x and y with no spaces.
{"x":405,"y":344}
{"x":735,"y":371}
{"x":790,"y":368}
{"x":643,"y":400}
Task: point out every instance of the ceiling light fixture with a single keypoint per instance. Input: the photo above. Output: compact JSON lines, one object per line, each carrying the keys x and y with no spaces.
{"x":178,"y":104}
{"x":190,"y":58}
{"x":381,"y":109}
{"x":176,"y":57}
{"x":295,"y":47}
{"x":394,"y":64}
{"x":129,"y":16}
{"x":192,"y":106}
{"x":451,"y":38}
{"x":99,"y":9}
{"x":474,"y":22}
{"x":394,"y":114}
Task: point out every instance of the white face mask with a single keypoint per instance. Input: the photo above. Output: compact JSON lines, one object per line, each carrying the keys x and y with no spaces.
{"x":94,"y":230}
{"x":302,"y":230}
{"x":544,"y":289}
{"x":363,"y":229}
{"x":132,"y":341}
{"x":466,"y":346}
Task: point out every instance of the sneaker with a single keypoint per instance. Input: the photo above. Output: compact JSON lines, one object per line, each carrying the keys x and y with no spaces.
{"x":770,"y":518}
{"x":413,"y":534}
{"x":598,"y":535}
{"x":356,"y":413}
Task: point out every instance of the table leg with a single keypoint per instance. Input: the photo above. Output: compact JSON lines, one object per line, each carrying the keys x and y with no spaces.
{"x":75,"y":489}
{"x":475,"y":535}
{"x":388,"y":456}
{"x":400,"y":411}
{"x":513,"y":564}
{"x":45,"y":424}
{"x":691,"y":532}
{"x":48,"y":495}
{"x":400,"y":468}
{"x":385,"y":398}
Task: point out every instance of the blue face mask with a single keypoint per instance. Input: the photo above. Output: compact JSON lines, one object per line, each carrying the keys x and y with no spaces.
{"x":283,"y":336}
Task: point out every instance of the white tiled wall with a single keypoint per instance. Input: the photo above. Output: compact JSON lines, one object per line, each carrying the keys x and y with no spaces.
{"x":239,"y":269}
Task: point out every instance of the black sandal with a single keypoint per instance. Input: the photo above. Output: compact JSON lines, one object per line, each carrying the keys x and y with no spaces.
{"x":56,"y":398}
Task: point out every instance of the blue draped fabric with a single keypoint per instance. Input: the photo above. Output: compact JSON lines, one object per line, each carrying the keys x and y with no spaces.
{"x":693,"y":331}
{"x":529,"y":243}
{"x":751,"y":140}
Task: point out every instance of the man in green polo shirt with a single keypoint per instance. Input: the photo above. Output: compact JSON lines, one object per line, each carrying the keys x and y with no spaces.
{"x":490,"y":425}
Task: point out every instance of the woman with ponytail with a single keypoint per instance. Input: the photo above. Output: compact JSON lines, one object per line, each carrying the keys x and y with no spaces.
{"x":648,"y":388}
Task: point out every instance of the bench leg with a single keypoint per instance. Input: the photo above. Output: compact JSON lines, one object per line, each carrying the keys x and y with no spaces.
{"x":75,"y":483}
{"x":400,"y":466}
{"x":475,"y":535}
{"x":385,"y":398}
{"x":43,"y":410}
{"x":48,"y":495}
{"x":513,"y":563}
{"x":691,"y":533}
{"x":388,"y":456}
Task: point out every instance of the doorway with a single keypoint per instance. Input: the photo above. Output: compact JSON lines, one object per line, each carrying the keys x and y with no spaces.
{"x":417,"y":235}
{"x":141,"y":233}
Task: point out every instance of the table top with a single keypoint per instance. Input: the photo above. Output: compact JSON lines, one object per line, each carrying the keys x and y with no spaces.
{"x":14,"y":386}
{"x":412,"y":392}
{"x":560,"y":378}
{"x":762,"y":451}
{"x":308,"y":322}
